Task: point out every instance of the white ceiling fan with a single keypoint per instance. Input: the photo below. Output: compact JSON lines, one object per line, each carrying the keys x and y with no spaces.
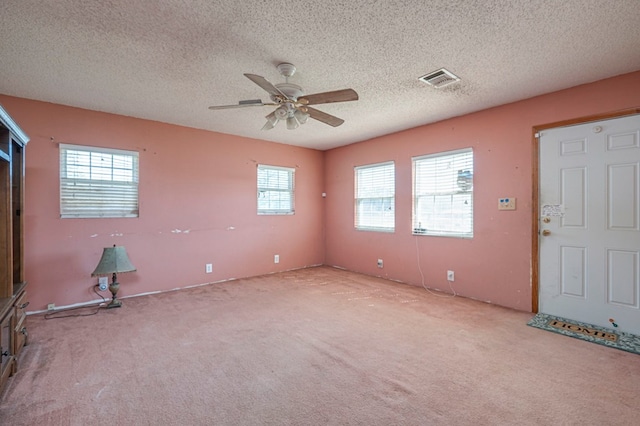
{"x":292,"y":104}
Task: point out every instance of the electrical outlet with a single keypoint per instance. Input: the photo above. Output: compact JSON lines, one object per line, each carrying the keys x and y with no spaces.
{"x":380,"y":263}
{"x":276,"y":258}
{"x":450,"y":276}
{"x":103,"y":283}
{"x":51,"y":306}
{"x":208,"y":268}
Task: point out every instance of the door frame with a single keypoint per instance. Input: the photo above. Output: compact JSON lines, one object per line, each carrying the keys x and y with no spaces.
{"x":535,"y":168}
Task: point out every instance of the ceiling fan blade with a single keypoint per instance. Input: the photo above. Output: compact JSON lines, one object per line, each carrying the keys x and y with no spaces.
{"x":329,"y":119}
{"x":265,"y":84}
{"x":241,"y":104}
{"x":329,"y":97}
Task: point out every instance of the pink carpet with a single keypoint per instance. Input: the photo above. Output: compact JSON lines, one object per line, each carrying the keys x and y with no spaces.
{"x":318,"y":346}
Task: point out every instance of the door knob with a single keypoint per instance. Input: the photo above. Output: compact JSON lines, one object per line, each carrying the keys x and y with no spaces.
{"x":546,"y":232}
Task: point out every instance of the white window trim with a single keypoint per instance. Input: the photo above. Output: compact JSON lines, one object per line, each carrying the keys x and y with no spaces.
{"x":78,"y":196}
{"x":290,"y":190}
{"x":357,"y":198}
{"x":420,"y":230}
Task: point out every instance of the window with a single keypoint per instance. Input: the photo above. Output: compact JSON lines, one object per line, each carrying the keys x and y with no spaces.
{"x":375,"y":197}
{"x":275,"y":190}
{"x":98,"y":182}
{"x":443,"y":194}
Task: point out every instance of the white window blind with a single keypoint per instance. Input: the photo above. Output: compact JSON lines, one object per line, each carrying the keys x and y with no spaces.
{"x":443,"y":194}
{"x":98,"y":182}
{"x":375,"y":197}
{"x":275,"y":190}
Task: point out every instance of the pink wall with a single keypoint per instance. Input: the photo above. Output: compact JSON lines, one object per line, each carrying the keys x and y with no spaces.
{"x":495,"y":265}
{"x":190,"y":180}
{"x":205,"y":183}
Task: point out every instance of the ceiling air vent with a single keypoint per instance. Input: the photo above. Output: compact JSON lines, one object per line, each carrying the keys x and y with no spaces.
{"x":439,"y":78}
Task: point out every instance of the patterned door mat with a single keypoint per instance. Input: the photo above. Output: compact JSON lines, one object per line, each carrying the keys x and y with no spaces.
{"x":591,"y":333}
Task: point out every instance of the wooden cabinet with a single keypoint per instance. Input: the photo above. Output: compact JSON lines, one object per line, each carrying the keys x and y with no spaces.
{"x":6,"y":347}
{"x":19,"y":324}
{"x":13,"y":287}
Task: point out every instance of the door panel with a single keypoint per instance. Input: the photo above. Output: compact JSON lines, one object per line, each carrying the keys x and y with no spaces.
{"x":622,"y":278}
{"x":590,"y":223}
{"x":623,"y":198}
{"x":573,"y":271}
{"x":574,"y":194}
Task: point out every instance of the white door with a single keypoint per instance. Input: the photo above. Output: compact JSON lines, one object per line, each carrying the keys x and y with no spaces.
{"x":590,"y":223}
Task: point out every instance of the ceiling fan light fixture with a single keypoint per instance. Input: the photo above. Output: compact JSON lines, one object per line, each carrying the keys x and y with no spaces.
{"x":281,"y":113}
{"x":269,"y":125}
{"x":271,"y":117}
{"x":292,"y":123}
{"x":300,"y":116}
{"x":272,"y":120}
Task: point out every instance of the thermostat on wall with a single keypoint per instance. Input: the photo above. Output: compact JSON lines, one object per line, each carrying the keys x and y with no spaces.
{"x":506,"y":203}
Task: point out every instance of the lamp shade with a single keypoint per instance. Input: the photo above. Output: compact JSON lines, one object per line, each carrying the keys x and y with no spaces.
{"x":114,"y":260}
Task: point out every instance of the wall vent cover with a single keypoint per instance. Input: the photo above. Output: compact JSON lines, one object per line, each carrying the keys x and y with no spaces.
{"x":439,"y":78}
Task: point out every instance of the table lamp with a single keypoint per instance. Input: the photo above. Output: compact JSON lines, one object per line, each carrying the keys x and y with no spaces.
{"x":114,"y":261}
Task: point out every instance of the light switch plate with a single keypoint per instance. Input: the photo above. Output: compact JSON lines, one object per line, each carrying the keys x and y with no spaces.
{"x":507,"y":203}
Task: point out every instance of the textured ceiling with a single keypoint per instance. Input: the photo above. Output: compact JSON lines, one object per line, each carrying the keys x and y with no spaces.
{"x":168,"y":60}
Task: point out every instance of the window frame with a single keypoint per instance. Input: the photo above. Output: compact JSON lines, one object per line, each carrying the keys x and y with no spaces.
{"x":276,"y":189}
{"x":383,"y":197}
{"x":77,"y":193}
{"x":467,"y":230}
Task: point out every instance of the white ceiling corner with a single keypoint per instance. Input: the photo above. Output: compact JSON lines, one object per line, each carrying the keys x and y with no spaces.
{"x":168,"y":60}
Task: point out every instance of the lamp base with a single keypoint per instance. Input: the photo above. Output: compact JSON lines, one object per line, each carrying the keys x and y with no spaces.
{"x":113,"y":288}
{"x":115,"y":303}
